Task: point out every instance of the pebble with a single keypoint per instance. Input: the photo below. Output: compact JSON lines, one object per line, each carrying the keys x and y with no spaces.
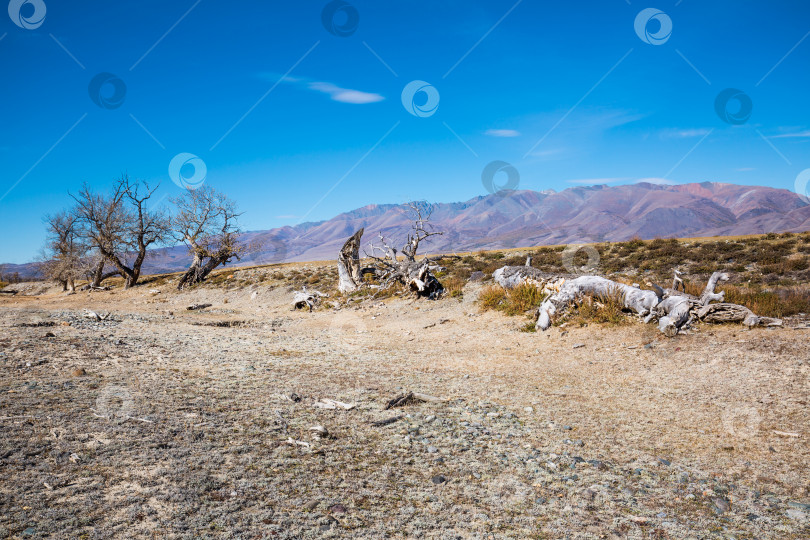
{"x":432,"y":449}
{"x":721,"y":505}
{"x":79,"y":372}
{"x":438,"y":479}
{"x":338,"y":509}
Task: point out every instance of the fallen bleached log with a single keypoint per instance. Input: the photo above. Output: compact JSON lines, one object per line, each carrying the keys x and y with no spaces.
{"x":510,"y":277}
{"x":307,"y":299}
{"x":641,"y":301}
{"x":724,"y":312}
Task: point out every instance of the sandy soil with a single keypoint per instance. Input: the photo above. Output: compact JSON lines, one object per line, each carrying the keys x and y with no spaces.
{"x":159,"y":421}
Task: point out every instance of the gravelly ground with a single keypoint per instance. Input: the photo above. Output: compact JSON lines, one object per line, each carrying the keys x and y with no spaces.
{"x":180,"y":428}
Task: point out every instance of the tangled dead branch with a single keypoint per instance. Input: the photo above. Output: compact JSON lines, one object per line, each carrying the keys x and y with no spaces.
{"x":389,"y":265}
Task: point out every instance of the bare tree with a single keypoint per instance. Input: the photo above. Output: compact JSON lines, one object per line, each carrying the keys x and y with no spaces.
{"x":411,"y":272}
{"x":64,"y":252}
{"x":206,"y":221}
{"x":121,"y":227}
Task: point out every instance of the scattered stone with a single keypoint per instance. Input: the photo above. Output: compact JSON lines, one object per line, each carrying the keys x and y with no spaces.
{"x":579,"y":345}
{"x":663,"y":461}
{"x":438,"y":479}
{"x":721,"y":505}
{"x":432,"y":449}
{"x":78,"y":372}
{"x":49,"y":335}
{"x":338,"y":509}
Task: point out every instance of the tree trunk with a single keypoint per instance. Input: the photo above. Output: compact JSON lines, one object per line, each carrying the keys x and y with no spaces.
{"x":200,"y":269}
{"x":349,"y":264}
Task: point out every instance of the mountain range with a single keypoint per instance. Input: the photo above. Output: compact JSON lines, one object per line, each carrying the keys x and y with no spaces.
{"x":529,"y":218}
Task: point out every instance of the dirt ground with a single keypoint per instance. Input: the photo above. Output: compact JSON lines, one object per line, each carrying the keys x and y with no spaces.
{"x":168,"y":423}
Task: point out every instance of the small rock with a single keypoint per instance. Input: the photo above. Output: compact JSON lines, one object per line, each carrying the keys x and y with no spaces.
{"x":49,"y":334}
{"x":432,"y":449}
{"x":528,"y":409}
{"x":663,"y":461}
{"x":579,"y":345}
{"x":438,"y":479}
{"x":721,"y":505}
{"x":796,"y":515}
{"x":79,"y":372}
{"x":338,"y":509}
{"x":311,"y":505}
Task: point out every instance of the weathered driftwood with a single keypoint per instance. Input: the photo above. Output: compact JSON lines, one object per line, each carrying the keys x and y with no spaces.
{"x":307,"y":299}
{"x":410,"y":397}
{"x":349,"y":273}
{"x":724,"y":312}
{"x":708,"y":293}
{"x":387,"y":421}
{"x":673,"y":309}
{"x":640,"y":301}
{"x":510,"y":277}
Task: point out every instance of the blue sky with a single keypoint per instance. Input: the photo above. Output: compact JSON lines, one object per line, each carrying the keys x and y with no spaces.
{"x":296,"y":123}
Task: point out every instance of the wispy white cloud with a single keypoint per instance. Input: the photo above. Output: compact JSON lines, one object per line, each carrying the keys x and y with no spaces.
{"x":630,"y":180}
{"x":596,"y":181}
{"x":345,"y":95}
{"x":335,"y":92}
{"x":684,"y":133}
{"x":653,"y":180}
{"x":795,"y":135}
{"x":502,"y":133}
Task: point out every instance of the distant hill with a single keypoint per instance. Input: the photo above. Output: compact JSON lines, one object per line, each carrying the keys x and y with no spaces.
{"x":529,"y":218}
